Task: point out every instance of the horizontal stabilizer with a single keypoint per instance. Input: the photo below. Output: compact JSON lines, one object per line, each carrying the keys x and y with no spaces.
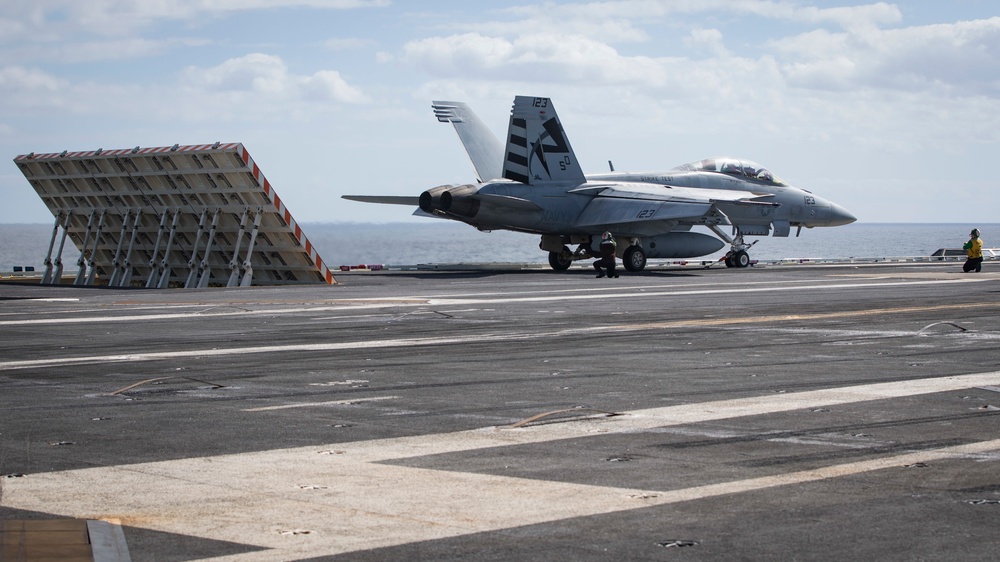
{"x":385,"y":199}
{"x":426,"y":215}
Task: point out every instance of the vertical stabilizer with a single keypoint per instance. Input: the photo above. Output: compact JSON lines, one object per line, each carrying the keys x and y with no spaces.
{"x":482,"y":146}
{"x":538,"y":150}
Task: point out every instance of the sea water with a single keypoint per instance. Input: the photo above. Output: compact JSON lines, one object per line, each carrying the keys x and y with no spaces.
{"x":438,"y":241}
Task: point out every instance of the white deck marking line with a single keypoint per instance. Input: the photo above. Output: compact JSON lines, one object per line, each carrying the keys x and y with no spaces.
{"x":873,"y":334}
{"x":358,"y":503}
{"x":218,"y":352}
{"x":646,"y":419}
{"x":321,"y":404}
{"x":369,"y":304}
{"x":508,"y":335}
{"x":435,"y":301}
{"x":604,"y":288}
{"x":497,"y":337}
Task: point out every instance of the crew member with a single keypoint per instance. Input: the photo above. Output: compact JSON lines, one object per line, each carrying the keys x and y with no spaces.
{"x":974,"y":249}
{"x":607,"y":261}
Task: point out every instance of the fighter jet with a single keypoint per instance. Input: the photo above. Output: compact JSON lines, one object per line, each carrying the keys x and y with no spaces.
{"x":536,"y":185}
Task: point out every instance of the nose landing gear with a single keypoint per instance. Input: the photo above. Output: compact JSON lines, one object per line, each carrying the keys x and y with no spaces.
{"x":560,"y":261}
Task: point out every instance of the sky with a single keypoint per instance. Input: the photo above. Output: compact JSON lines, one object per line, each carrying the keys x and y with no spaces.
{"x":891,"y":110}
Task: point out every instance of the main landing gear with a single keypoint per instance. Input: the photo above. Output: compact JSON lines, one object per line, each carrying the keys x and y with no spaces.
{"x":737,"y":255}
{"x":560,"y":261}
{"x":634,"y":258}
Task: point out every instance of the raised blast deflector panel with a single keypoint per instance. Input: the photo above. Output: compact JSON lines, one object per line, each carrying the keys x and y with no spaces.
{"x":191,"y":216}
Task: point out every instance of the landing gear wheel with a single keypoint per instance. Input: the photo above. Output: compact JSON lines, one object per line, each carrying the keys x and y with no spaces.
{"x":559,"y":260}
{"x":729,"y":261}
{"x":741,"y":259}
{"x":634,"y":258}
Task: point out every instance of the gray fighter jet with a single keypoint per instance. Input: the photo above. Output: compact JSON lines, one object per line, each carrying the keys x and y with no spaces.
{"x":536,"y":185}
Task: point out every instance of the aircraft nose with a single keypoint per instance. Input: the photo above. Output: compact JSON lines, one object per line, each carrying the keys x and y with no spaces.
{"x":840,"y":216}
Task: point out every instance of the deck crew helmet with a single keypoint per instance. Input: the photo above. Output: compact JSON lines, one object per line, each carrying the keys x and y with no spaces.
{"x":974,"y":233}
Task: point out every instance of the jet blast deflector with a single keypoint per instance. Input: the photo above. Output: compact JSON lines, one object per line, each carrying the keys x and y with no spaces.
{"x":179,"y":216}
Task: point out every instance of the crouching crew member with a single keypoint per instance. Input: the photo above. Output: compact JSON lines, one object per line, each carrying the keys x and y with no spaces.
{"x":607,"y":261}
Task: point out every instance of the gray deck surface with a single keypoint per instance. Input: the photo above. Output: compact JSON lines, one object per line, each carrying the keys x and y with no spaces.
{"x":800,"y":412}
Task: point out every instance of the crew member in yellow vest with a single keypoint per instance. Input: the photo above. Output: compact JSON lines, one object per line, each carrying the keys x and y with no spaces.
{"x":974,"y":249}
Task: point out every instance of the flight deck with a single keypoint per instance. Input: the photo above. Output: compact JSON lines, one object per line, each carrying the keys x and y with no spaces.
{"x":804,"y":412}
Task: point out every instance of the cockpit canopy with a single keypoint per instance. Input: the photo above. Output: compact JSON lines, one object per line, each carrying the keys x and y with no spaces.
{"x":744,"y":169}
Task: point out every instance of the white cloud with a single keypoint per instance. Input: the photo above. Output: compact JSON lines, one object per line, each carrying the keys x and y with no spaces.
{"x":11,"y":27}
{"x":267,"y":77}
{"x":123,"y":17}
{"x":111,"y":49}
{"x":852,"y":17}
{"x":458,"y":54}
{"x":709,"y":40}
{"x":845,"y":77}
{"x":15,"y":78}
{"x":961,"y":55}
{"x":957,"y":57}
{"x":347,"y":43}
{"x":256,"y":72}
{"x":533,"y":57}
{"x":25,"y":88}
{"x":328,"y":85}
{"x":241,"y":5}
{"x":602,"y":18}
{"x":541,"y":45}
{"x":608,"y":21}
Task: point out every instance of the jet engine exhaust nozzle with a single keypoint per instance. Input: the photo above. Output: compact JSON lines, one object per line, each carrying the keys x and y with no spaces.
{"x":455,"y":200}
{"x":430,"y":200}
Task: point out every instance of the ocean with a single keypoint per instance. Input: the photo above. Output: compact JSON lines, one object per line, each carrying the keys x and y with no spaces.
{"x":437,"y":241}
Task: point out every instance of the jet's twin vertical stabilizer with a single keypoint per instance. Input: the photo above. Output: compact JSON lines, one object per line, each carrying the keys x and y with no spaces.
{"x":482,"y":146}
{"x":537,"y":148}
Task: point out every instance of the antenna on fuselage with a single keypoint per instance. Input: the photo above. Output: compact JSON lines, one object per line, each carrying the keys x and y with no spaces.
{"x":610,"y":165}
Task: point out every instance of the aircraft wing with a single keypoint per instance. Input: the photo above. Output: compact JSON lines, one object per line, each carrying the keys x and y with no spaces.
{"x":605,"y":211}
{"x":385,"y":199}
{"x":623,"y":204}
{"x":655,"y":192}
